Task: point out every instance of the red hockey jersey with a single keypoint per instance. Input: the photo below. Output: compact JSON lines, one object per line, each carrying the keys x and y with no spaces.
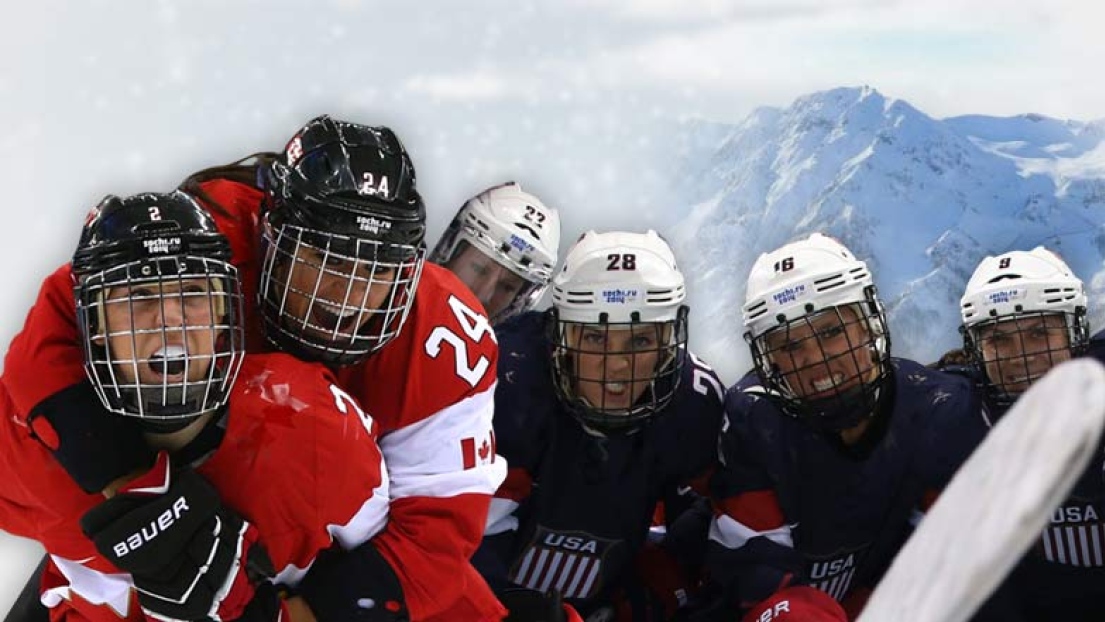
{"x":430,"y":390}
{"x":297,"y":458}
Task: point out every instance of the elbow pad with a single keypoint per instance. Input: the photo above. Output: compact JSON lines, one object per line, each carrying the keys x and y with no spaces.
{"x":93,"y":445}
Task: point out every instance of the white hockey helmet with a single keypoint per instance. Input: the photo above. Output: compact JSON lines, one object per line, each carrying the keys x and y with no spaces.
{"x":1020,"y":282}
{"x":802,"y":278}
{"x":619,"y":277}
{"x":1011,"y":289}
{"x":792,"y":285}
{"x":610,"y":282}
{"x":515,"y":229}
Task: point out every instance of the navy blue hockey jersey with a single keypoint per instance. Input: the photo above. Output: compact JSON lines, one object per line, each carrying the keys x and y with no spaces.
{"x":796,"y":505}
{"x":1063,"y":575}
{"x":576,"y":506}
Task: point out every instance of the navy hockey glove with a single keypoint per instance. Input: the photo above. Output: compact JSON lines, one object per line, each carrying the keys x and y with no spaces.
{"x":95,"y":446}
{"x":190,"y":557}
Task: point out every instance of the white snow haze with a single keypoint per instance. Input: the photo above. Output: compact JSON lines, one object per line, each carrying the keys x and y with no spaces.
{"x":731,"y":127}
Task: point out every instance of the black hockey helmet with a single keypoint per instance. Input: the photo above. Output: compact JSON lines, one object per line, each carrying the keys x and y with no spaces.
{"x":159,"y":307}
{"x":342,"y":209}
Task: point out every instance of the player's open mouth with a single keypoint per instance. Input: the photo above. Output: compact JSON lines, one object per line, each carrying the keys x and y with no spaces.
{"x":332,"y":317}
{"x":616,"y":388}
{"x":168,"y":361}
{"x":826,"y":384}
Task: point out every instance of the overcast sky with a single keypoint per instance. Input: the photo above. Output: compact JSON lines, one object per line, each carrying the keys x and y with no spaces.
{"x":125,"y":96}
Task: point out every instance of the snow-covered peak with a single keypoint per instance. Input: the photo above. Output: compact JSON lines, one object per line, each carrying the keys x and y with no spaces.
{"x":922,"y":200}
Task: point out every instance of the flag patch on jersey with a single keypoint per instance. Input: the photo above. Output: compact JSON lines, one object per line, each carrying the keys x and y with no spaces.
{"x":1075,"y":537}
{"x":834,"y":575}
{"x":570,"y":561}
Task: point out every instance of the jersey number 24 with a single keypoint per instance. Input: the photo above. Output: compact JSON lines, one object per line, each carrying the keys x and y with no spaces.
{"x":474,"y":326}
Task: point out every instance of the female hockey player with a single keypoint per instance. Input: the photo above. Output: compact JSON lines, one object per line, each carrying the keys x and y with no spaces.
{"x":503,"y":244}
{"x":830,"y":446}
{"x":1023,"y":313}
{"x":253,"y":482}
{"x":328,"y":239}
{"x":601,"y":412}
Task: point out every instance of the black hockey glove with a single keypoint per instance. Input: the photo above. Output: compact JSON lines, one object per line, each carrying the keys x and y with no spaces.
{"x":190,"y":557}
{"x":353,"y":586}
{"x":527,"y":605}
{"x":95,"y":446}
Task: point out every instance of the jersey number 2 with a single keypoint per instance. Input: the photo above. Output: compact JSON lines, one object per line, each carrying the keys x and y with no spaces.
{"x":475,"y":327}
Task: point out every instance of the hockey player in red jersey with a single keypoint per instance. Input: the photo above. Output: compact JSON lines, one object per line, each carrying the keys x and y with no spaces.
{"x":317,"y":234}
{"x":254,"y":481}
{"x":503,"y":244}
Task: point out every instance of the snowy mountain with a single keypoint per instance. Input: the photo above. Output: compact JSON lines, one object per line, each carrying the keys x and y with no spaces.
{"x":922,"y":200}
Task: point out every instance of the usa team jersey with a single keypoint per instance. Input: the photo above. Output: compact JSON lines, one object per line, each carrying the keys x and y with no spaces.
{"x":796,"y":505}
{"x":293,"y":455}
{"x":1063,"y":575}
{"x":430,"y":391}
{"x":576,"y":507}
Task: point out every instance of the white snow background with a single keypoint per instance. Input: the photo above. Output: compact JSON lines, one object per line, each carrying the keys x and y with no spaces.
{"x":693,"y":116}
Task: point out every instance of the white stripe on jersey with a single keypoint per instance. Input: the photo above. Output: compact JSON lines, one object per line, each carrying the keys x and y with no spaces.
{"x":566,"y":573}
{"x":500,"y":516}
{"x":523,"y":570}
{"x":589,"y":584}
{"x":1095,"y":534}
{"x":369,"y":520}
{"x":573,"y":574}
{"x":98,"y":588}
{"x":1075,"y":545}
{"x":425,"y":459}
{"x":728,"y":532}
{"x":554,"y":568}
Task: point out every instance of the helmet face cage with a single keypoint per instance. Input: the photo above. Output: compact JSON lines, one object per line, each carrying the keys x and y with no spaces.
{"x":334,"y":298}
{"x":192,"y":306}
{"x":1013,"y":351}
{"x":606,"y":359}
{"x":827,"y":368}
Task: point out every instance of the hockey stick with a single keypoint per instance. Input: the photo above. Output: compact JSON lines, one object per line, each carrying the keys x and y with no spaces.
{"x":998,"y":503}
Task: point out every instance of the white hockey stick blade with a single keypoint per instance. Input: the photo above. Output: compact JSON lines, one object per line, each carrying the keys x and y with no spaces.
{"x":999,"y":501}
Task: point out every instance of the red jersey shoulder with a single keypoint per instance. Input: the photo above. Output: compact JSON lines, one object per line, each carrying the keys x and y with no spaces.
{"x":292,"y":401}
{"x":38,"y":500}
{"x":445,"y":353}
{"x":49,"y":340}
{"x":297,"y":450}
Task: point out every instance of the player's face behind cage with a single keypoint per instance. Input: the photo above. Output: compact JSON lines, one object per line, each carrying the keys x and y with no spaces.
{"x":166,"y":347}
{"x":494,"y":284}
{"x":826,"y":363}
{"x":1016,"y":351}
{"x":335,"y":295}
{"x":617,"y":375}
{"x":343,"y":242}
